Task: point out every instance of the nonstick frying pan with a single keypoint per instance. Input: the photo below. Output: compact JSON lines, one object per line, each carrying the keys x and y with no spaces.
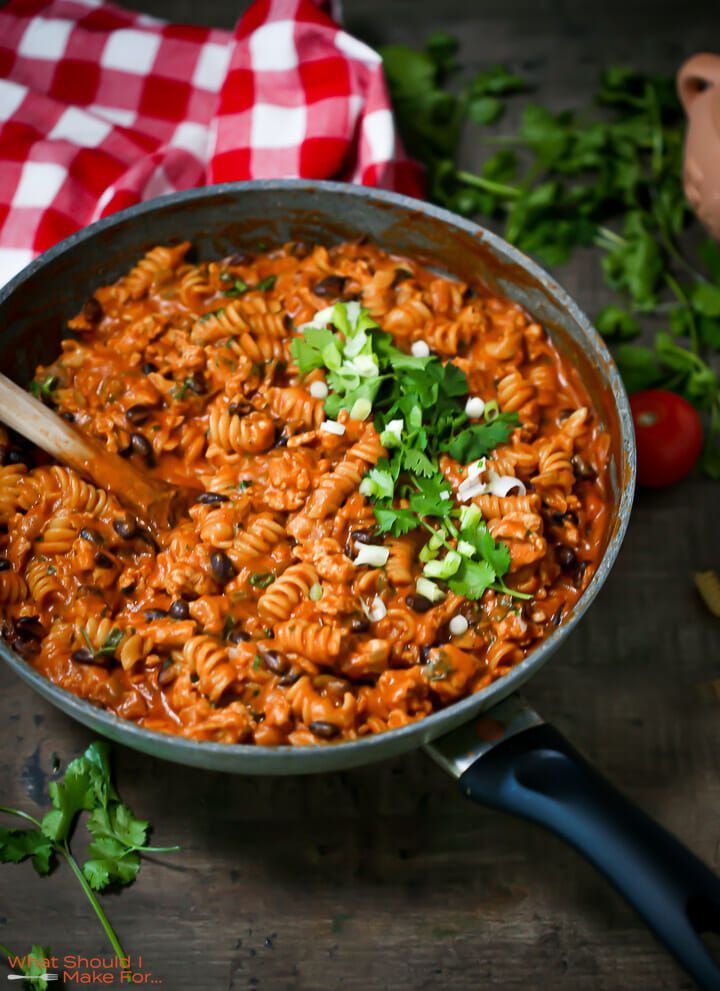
{"x":508,"y":758}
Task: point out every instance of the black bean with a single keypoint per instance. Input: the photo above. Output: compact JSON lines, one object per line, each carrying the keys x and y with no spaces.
{"x":147,"y":537}
{"x":583,"y":471}
{"x":363,"y":536}
{"x":30,"y":628}
{"x":68,"y":416}
{"x":418,"y":603}
{"x":240,"y":259}
{"x":222,"y":567}
{"x":326,"y":731}
{"x":92,"y":310}
{"x":209,"y":498}
{"x":196,"y":383}
{"x":103,"y":561}
{"x":557,"y":517}
{"x":274,"y":662}
{"x":125,"y":528}
{"x":179,"y":609}
{"x":360,"y":624}
{"x":567,"y":558}
{"x":238,"y":636}
{"x":148,"y":367}
{"x":557,"y":618}
{"x":579,"y":574}
{"x":4,"y":564}
{"x":425,"y":654}
{"x":239,"y":409}
{"x":281,"y":439}
{"x":25,"y":648}
{"x":401,"y":274}
{"x":152,"y":614}
{"x":84,"y":656}
{"x":90,"y":535}
{"x":332,"y":285}
{"x":16,"y":457}
{"x":138,"y":413}
{"x":142,"y":446}
{"x":299,"y":249}
{"x":290,"y":678}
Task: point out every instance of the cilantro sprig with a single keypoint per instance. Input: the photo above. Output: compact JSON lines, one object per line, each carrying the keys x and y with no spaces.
{"x":609,"y":180}
{"x":419,"y":411}
{"x":118,"y":838}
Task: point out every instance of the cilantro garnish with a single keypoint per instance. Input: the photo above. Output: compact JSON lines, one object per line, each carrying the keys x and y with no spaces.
{"x":240,"y":286}
{"x":419,"y":411}
{"x":118,"y":837}
{"x":261,"y":580}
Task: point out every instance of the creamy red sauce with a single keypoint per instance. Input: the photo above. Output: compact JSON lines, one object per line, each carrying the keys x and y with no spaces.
{"x":216,"y":630}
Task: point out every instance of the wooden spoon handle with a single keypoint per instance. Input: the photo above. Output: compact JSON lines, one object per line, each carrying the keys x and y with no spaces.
{"x":151,"y":500}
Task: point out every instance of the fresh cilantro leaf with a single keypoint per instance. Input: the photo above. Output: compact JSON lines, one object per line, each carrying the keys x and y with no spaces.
{"x":307,"y":350}
{"x":118,"y":823}
{"x":428,"y":500}
{"x":110,"y":863}
{"x":484,"y":109}
{"x":17,"y":845}
{"x":396,"y":522}
{"x":706,"y":299}
{"x":378,"y":483}
{"x":472,"y":579}
{"x":264,"y":285}
{"x":477,"y":440}
{"x":418,"y":462}
{"x":497,"y":554}
{"x":70,"y":796}
{"x":616,"y":324}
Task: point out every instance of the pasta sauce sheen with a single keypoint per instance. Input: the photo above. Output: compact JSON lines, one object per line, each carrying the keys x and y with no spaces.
{"x":248,"y":621}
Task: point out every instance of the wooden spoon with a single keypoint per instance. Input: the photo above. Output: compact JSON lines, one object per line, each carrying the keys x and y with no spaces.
{"x":154,"y":502}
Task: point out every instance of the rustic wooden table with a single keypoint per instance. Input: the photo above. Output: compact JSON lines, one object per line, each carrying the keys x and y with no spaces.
{"x":386,"y":877}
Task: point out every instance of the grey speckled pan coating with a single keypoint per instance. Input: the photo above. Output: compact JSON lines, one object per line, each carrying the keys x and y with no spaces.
{"x":221,"y":220}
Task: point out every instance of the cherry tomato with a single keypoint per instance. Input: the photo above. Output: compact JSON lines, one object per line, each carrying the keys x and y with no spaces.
{"x":669,"y":436}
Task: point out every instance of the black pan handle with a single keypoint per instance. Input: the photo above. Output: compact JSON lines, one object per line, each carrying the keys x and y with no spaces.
{"x":537,"y":774}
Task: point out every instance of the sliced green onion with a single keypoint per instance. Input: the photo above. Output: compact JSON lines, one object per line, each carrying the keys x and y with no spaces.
{"x":445,"y":568}
{"x":470,"y":516}
{"x":429,"y":589}
{"x":361,"y":409}
{"x":316,"y":592}
{"x":492,"y":410}
{"x":465,"y":548}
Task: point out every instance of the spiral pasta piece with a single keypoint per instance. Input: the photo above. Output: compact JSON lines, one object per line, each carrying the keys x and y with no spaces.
{"x":280,"y":600}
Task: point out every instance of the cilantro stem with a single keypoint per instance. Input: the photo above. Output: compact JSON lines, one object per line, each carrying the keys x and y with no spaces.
{"x":64,"y":849}
{"x":152,"y":849}
{"x":22,"y":815}
{"x":489,"y":185}
{"x":682,"y":298}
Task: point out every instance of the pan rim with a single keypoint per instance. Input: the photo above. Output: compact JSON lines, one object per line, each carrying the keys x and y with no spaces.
{"x":433,"y":725}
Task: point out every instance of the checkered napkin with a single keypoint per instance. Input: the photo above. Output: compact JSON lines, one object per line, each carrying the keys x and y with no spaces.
{"x":101,"y":108}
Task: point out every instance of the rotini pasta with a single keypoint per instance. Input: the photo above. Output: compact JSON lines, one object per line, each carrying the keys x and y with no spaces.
{"x":275,"y":612}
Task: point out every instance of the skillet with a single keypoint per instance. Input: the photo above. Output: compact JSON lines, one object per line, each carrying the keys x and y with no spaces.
{"x":509,"y":757}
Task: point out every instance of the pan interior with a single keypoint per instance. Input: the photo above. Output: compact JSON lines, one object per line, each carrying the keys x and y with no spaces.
{"x":223,"y":220}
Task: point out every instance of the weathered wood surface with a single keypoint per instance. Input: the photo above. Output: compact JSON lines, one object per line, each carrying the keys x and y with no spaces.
{"x":385,"y":877}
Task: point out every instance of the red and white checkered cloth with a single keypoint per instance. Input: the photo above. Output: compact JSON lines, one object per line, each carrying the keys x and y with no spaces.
{"x":101,"y":108}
